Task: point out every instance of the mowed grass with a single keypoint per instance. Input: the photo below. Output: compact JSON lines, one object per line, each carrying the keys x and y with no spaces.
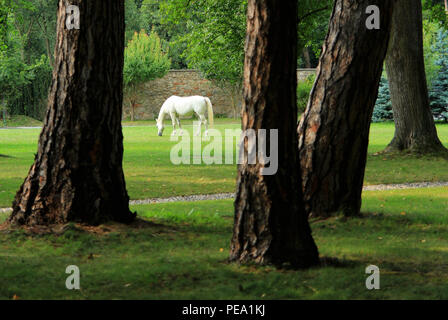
{"x":150,"y":173}
{"x":183,"y":255}
{"x":387,"y":169}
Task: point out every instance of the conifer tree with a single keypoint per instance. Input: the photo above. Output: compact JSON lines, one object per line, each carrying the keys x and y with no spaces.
{"x":439,"y":91}
{"x":383,"y":106}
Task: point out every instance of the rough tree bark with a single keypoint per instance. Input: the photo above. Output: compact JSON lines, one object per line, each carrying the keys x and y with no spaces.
{"x":270,"y":223}
{"x":334,"y":130}
{"x":415,"y":130}
{"x":77,"y":173}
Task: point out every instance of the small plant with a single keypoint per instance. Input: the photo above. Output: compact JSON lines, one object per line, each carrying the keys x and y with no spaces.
{"x":303,"y":92}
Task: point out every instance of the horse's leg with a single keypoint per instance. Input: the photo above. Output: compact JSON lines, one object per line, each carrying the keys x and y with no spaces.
{"x":178,"y":125}
{"x":198,"y":132}
{"x":204,"y":122}
{"x":173,"y":121}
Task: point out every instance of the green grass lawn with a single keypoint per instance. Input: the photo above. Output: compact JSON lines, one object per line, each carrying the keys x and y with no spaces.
{"x":183,"y":255}
{"x":182,"y":252}
{"x":149,"y":172}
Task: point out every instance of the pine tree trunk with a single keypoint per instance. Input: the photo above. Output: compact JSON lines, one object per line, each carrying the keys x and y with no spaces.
{"x":270,"y":223}
{"x":415,"y":130}
{"x":334,"y":130}
{"x":77,"y":174}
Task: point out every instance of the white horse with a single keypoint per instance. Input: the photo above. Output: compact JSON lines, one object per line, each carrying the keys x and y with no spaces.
{"x":185,"y":106}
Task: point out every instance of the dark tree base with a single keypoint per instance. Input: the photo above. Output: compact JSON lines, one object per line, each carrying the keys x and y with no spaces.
{"x":419,"y":147}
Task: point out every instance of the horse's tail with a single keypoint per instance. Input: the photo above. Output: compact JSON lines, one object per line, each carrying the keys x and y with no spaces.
{"x":209,"y":111}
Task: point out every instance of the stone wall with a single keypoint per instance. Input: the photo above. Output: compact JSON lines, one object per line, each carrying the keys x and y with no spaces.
{"x":186,"y":83}
{"x":303,"y":74}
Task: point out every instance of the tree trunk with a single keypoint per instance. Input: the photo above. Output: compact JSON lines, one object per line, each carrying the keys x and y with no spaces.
{"x":43,"y":24}
{"x":132,"y":111}
{"x":414,"y":124}
{"x":270,"y":223}
{"x":306,"y":58}
{"x":77,"y":174}
{"x":334,"y":130}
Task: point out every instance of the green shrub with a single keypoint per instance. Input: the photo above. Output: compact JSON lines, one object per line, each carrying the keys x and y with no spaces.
{"x":383,"y":106}
{"x":145,"y":59}
{"x":303,"y":92}
{"x":438,"y":94}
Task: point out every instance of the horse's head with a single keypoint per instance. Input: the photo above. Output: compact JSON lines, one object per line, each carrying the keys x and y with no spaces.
{"x":160,"y":126}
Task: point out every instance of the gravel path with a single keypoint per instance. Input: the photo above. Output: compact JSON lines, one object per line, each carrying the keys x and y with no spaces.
{"x":222,"y":196}
{"x":415,"y":185}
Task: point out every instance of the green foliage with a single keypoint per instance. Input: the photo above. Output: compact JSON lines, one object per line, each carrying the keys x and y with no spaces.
{"x":383,"y":106}
{"x":439,"y":91}
{"x":144,"y":59}
{"x":33,"y":99}
{"x":434,"y":11}
{"x":430,"y":30}
{"x":30,"y":32}
{"x":32,"y":28}
{"x":215,"y":35}
{"x":4,"y":12}
{"x":13,"y":75}
{"x":23,"y":87}
{"x":303,"y":92}
{"x":169,"y":29}
{"x":215,"y":32}
{"x":133,"y":19}
{"x":313,"y":23}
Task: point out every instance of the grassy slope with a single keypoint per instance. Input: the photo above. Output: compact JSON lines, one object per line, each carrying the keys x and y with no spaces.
{"x":404,"y":232}
{"x":149,"y":172}
{"x":21,"y":121}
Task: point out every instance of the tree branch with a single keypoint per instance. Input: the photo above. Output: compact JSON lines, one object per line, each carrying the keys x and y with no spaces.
{"x":313,"y":12}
